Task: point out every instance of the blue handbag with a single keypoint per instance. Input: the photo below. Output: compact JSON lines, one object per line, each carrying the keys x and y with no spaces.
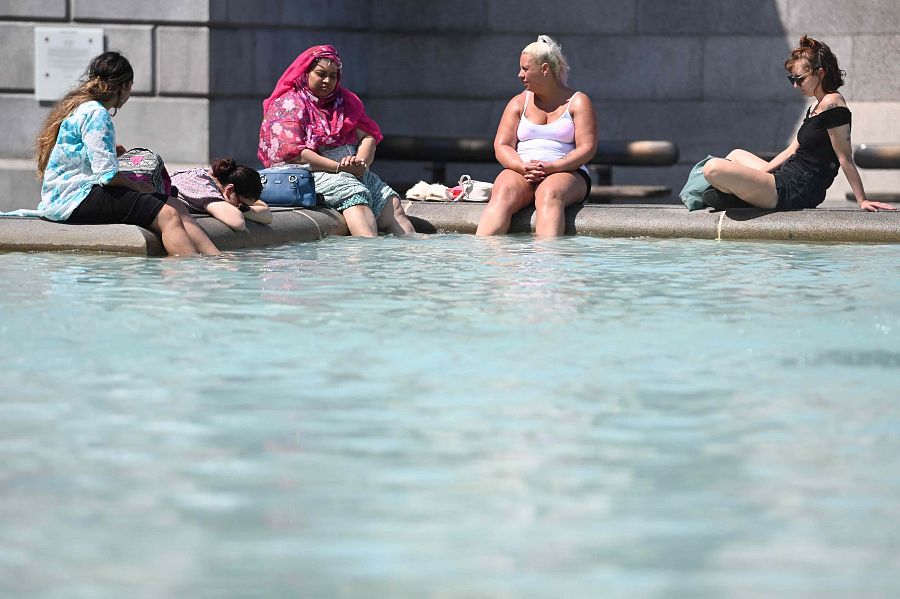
{"x":288,"y":186}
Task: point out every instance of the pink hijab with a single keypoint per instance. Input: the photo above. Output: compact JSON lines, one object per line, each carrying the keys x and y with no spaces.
{"x":324,"y":121}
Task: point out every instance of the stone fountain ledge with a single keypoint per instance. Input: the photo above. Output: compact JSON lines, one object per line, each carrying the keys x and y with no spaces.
{"x":657,"y":221}
{"x":674,"y":221}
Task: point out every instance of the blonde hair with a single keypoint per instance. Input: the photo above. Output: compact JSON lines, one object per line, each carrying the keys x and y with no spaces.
{"x":103,"y":80}
{"x":545,"y":49}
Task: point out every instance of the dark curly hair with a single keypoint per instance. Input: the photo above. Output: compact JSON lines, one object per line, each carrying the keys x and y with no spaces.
{"x":246,"y":180}
{"x":818,"y":56}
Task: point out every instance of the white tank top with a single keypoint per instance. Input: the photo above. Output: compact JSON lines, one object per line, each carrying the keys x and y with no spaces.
{"x":546,"y":142}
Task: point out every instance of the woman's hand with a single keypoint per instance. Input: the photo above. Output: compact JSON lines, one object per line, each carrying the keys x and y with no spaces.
{"x":535,"y":171}
{"x":871,"y":206}
{"x":352,"y":165}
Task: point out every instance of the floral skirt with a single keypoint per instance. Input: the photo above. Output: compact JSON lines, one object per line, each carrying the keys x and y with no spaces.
{"x":343,"y":190}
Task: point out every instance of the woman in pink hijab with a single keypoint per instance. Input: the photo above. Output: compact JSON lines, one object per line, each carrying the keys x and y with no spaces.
{"x":310,"y":119}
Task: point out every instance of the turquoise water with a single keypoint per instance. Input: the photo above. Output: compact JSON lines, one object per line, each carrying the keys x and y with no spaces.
{"x":453,"y":417}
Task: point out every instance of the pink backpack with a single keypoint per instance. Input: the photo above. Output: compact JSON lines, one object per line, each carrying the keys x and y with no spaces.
{"x":141,"y":164}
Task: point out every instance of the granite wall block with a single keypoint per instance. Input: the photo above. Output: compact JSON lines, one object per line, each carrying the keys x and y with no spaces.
{"x":136,"y":43}
{"x":17,"y":134}
{"x":343,"y":14}
{"x":873,"y":122}
{"x":531,"y":17}
{"x":641,"y":68}
{"x":234,"y":129}
{"x":18,"y":186}
{"x":29,"y":9}
{"x":841,"y":17}
{"x":159,"y":11}
{"x":873,"y":71}
{"x":17,"y":39}
{"x":232,"y":63}
{"x":435,"y":117}
{"x":411,"y":15}
{"x":747,"y":67}
{"x":176,"y":128}
{"x":184,"y":60}
{"x":711,"y":17}
{"x":456,"y":66}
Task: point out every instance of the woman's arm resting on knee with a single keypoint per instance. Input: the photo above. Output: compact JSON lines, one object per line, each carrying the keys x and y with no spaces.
{"x":840,"y":141}
{"x":506,"y":140}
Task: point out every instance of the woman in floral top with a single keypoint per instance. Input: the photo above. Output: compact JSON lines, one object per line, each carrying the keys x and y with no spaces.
{"x":76,"y":158}
{"x":310,"y":119}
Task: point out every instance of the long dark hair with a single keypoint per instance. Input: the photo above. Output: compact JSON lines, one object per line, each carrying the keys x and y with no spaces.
{"x":246,"y":180}
{"x":818,"y":56}
{"x":102,"y":81}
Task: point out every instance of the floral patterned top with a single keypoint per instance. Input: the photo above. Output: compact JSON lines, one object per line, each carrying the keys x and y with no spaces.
{"x":84,"y":156}
{"x":288,"y":129}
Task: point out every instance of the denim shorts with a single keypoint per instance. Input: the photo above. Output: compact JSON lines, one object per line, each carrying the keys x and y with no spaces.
{"x":797,"y":187}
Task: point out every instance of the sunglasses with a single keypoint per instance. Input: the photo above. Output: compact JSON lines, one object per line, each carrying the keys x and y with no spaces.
{"x":797,"y":79}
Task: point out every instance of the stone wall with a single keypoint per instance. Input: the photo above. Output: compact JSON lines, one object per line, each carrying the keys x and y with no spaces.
{"x":169,"y":110}
{"x":704,"y":73}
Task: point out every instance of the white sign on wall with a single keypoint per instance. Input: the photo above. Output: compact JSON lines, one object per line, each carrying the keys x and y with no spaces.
{"x":61,"y":55}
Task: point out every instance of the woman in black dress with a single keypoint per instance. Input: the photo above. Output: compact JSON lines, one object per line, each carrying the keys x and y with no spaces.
{"x":799,"y":176}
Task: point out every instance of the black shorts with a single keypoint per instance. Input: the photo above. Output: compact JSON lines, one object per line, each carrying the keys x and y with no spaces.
{"x":798,"y":188}
{"x":587,"y":180}
{"x":115,"y":205}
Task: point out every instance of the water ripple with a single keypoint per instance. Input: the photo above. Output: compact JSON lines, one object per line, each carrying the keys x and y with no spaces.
{"x":452,"y":416}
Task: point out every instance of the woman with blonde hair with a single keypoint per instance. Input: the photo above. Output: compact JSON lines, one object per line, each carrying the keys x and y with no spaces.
{"x":76,"y":160}
{"x":545,"y":137}
{"x":800,"y":175}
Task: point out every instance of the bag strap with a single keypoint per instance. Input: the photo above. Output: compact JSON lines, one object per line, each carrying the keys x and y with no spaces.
{"x":465,"y":183}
